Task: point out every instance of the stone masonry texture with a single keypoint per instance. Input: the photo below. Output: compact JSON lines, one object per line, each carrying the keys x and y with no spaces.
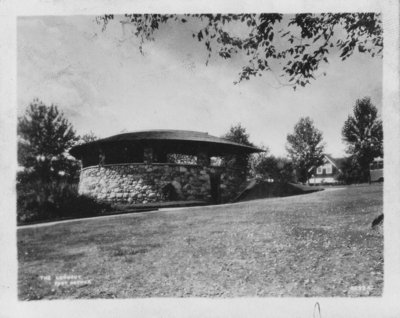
{"x":146,"y":183}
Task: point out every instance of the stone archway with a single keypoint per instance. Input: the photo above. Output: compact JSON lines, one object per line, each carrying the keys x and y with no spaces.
{"x":170,"y":193}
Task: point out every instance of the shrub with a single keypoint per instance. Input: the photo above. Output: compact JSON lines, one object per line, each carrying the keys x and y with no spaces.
{"x":39,"y":201}
{"x":276,"y":168}
{"x":351,"y":172}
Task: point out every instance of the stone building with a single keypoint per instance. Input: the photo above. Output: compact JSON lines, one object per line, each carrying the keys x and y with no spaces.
{"x":160,"y":165}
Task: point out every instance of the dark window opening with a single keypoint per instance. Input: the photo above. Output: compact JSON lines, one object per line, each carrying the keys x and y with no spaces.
{"x":169,"y":192}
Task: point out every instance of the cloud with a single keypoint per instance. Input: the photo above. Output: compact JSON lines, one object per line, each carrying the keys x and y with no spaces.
{"x":104,"y":84}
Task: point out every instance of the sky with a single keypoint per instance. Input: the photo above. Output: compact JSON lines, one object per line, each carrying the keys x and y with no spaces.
{"x":103,"y":84}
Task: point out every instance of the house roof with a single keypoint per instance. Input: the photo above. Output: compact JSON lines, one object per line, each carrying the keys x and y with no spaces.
{"x":184,"y":140}
{"x":337,"y":162}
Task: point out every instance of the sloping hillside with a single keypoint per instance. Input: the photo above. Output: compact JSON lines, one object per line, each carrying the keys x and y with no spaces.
{"x":262,"y":189}
{"x":320,"y":244}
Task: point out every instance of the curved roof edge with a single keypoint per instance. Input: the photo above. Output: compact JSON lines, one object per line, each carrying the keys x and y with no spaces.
{"x":166,"y":135}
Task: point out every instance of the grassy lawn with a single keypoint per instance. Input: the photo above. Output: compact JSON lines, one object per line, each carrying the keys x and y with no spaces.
{"x":318,"y":244}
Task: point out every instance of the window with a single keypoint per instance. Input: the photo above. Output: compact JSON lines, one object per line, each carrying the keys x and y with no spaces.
{"x":376,"y":165}
{"x":328,"y":168}
{"x":319,"y":170}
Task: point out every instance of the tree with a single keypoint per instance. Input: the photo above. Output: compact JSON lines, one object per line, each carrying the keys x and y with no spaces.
{"x":305,"y":147}
{"x":350,"y":171}
{"x":88,"y":137}
{"x":46,"y":188}
{"x":44,"y":136}
{"x":255,"y":160}
{"x":299,"y":43}
{"x":238,"y":134}
{"x":276,"y":168}
{"x":285,"y":170}
{"x":181,"y":159}
{"x":363,"y":134}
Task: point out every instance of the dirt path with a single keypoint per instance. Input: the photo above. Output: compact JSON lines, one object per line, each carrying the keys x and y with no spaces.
{"x":45,"y":224}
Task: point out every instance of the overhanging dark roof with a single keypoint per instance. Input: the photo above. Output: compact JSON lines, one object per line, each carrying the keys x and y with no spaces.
{"x":184,"y":140}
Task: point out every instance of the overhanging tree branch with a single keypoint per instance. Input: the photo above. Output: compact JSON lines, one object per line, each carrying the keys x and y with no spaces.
{"x":316,"y":35}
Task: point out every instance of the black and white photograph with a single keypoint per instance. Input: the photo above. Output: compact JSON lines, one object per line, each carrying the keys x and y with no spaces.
{"x":203,"y":155}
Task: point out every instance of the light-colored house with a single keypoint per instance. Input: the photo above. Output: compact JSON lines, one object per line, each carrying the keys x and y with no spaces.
{"x":327,"y":173}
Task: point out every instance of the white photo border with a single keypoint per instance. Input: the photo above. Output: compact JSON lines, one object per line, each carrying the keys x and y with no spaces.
{"x":386,"y":306}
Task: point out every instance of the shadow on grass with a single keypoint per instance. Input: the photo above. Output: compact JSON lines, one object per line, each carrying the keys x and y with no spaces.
{"x":263,"y":189}
{"x":117,"y":251}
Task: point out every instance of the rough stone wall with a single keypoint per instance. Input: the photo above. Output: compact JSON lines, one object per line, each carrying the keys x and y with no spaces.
{"x":144,"y":183}
{"x":233,"y":182}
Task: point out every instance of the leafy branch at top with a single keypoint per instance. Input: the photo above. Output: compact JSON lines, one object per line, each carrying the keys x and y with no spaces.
{"x":298,"y":45}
